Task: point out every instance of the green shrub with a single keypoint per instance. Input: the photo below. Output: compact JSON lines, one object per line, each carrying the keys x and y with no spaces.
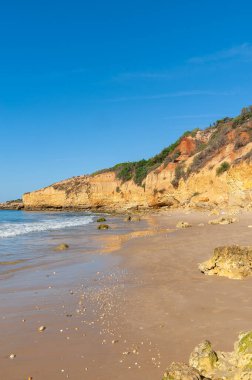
{"x":246,"y":114}
{"x":222,"y":168}
{"x":195,"y":194}
{"x":137,"y":171}
{"x":179,"y":173}
{"x":216,"y":142}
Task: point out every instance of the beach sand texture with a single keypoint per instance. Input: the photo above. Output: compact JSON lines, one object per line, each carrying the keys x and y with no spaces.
{"x":127,"y":309}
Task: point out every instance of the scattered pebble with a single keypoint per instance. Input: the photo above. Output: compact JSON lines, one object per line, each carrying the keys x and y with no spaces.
{"x":41,"y":328}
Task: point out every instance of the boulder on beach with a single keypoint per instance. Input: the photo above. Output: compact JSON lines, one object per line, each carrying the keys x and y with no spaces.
{"x":223,"y":220}
{"x":203,"y":358}
{"x":183,"y":225}
{"x":103,"y":227}
{"x":234,"y":262}
{"x":205,"y":363}
{"x":181,"y":371}
{"x":61,"y":247}
{"x":101,"y":220}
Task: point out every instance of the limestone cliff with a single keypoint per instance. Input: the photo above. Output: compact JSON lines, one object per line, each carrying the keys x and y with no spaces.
{"x":204,"y":168}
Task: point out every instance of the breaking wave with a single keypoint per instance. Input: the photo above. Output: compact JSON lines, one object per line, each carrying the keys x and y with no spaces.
{"x":15,"y":229}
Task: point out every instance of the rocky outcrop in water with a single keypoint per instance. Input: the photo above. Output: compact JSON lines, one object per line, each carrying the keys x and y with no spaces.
{"x":205,"y":363}
{"x":234,"y":262}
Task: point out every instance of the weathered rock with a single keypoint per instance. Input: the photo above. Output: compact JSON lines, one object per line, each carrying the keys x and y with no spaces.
{"x":103,"y":227}
{"x":183,"y":225}
{"x":101,"y":220}
{"x":203,"y":358}
{"x":244,"y":344}
{"x":205,"y":363}
{"x":61,"y":247}
{"x":230,"y":261}
{"x":223,"y":220}
{"x":164,"y":200}
{"x":181,"y":371}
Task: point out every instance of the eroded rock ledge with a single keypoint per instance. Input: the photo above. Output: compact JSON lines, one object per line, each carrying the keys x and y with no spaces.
{"x":12,"y":205}
{"x":205,"y":363}
{"x":234,"y":262}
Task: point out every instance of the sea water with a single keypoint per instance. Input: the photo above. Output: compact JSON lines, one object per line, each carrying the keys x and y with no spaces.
{"x":29,"y":238}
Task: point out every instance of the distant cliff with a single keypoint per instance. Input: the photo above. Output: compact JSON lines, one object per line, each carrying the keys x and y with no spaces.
{"x":16,"y":204}
{"x":204,"y":169}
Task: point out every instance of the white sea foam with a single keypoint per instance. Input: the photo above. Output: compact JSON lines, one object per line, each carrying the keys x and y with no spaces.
{"x":15,"y":229}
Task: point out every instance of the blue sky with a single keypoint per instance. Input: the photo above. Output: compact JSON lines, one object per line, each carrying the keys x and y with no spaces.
{"x":87,"y":84}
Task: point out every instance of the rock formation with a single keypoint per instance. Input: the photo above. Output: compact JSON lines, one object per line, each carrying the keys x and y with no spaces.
{"x":232,"y":261}
{"x":205,"y":363}
{"x":223,"y":220}
{"x":203,"y":169}
{"x":183,"y":225}
{"x":16,"y":204}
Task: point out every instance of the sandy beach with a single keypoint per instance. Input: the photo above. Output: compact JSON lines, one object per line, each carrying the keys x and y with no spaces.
{"x":126,"y":308}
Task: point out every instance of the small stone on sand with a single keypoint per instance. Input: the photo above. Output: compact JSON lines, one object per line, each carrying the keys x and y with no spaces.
{"x":41,"y":328}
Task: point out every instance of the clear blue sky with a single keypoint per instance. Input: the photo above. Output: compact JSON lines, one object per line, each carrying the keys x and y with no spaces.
{"x":87,"y":84}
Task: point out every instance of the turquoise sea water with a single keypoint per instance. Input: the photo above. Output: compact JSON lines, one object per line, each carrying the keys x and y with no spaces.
{"x":27,"y":238}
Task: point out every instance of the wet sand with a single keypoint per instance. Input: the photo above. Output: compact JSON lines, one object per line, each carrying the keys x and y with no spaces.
{"x":127,"y":310}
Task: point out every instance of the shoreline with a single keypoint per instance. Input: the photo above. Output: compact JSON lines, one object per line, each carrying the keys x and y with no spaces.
{"x":144,"y":303}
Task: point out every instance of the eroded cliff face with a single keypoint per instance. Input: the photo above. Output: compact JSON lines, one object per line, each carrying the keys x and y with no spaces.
{"x":201,"y":188}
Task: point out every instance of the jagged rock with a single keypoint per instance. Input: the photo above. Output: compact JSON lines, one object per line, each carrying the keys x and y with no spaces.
{"x":183,"y":225}
{"x":164,"y":201}
{"x":181,"y":371}
{"x":103,"y":227}
{"x":204,"y":358}
{"x":223,"y":220}
{"x":230,"y":261}
{"x":100,"y":220}
{"x":205,"y":363}
{"x":61,"y":247}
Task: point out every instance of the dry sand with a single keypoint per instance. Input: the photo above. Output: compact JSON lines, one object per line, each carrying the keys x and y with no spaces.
{"x":142,"y":306}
